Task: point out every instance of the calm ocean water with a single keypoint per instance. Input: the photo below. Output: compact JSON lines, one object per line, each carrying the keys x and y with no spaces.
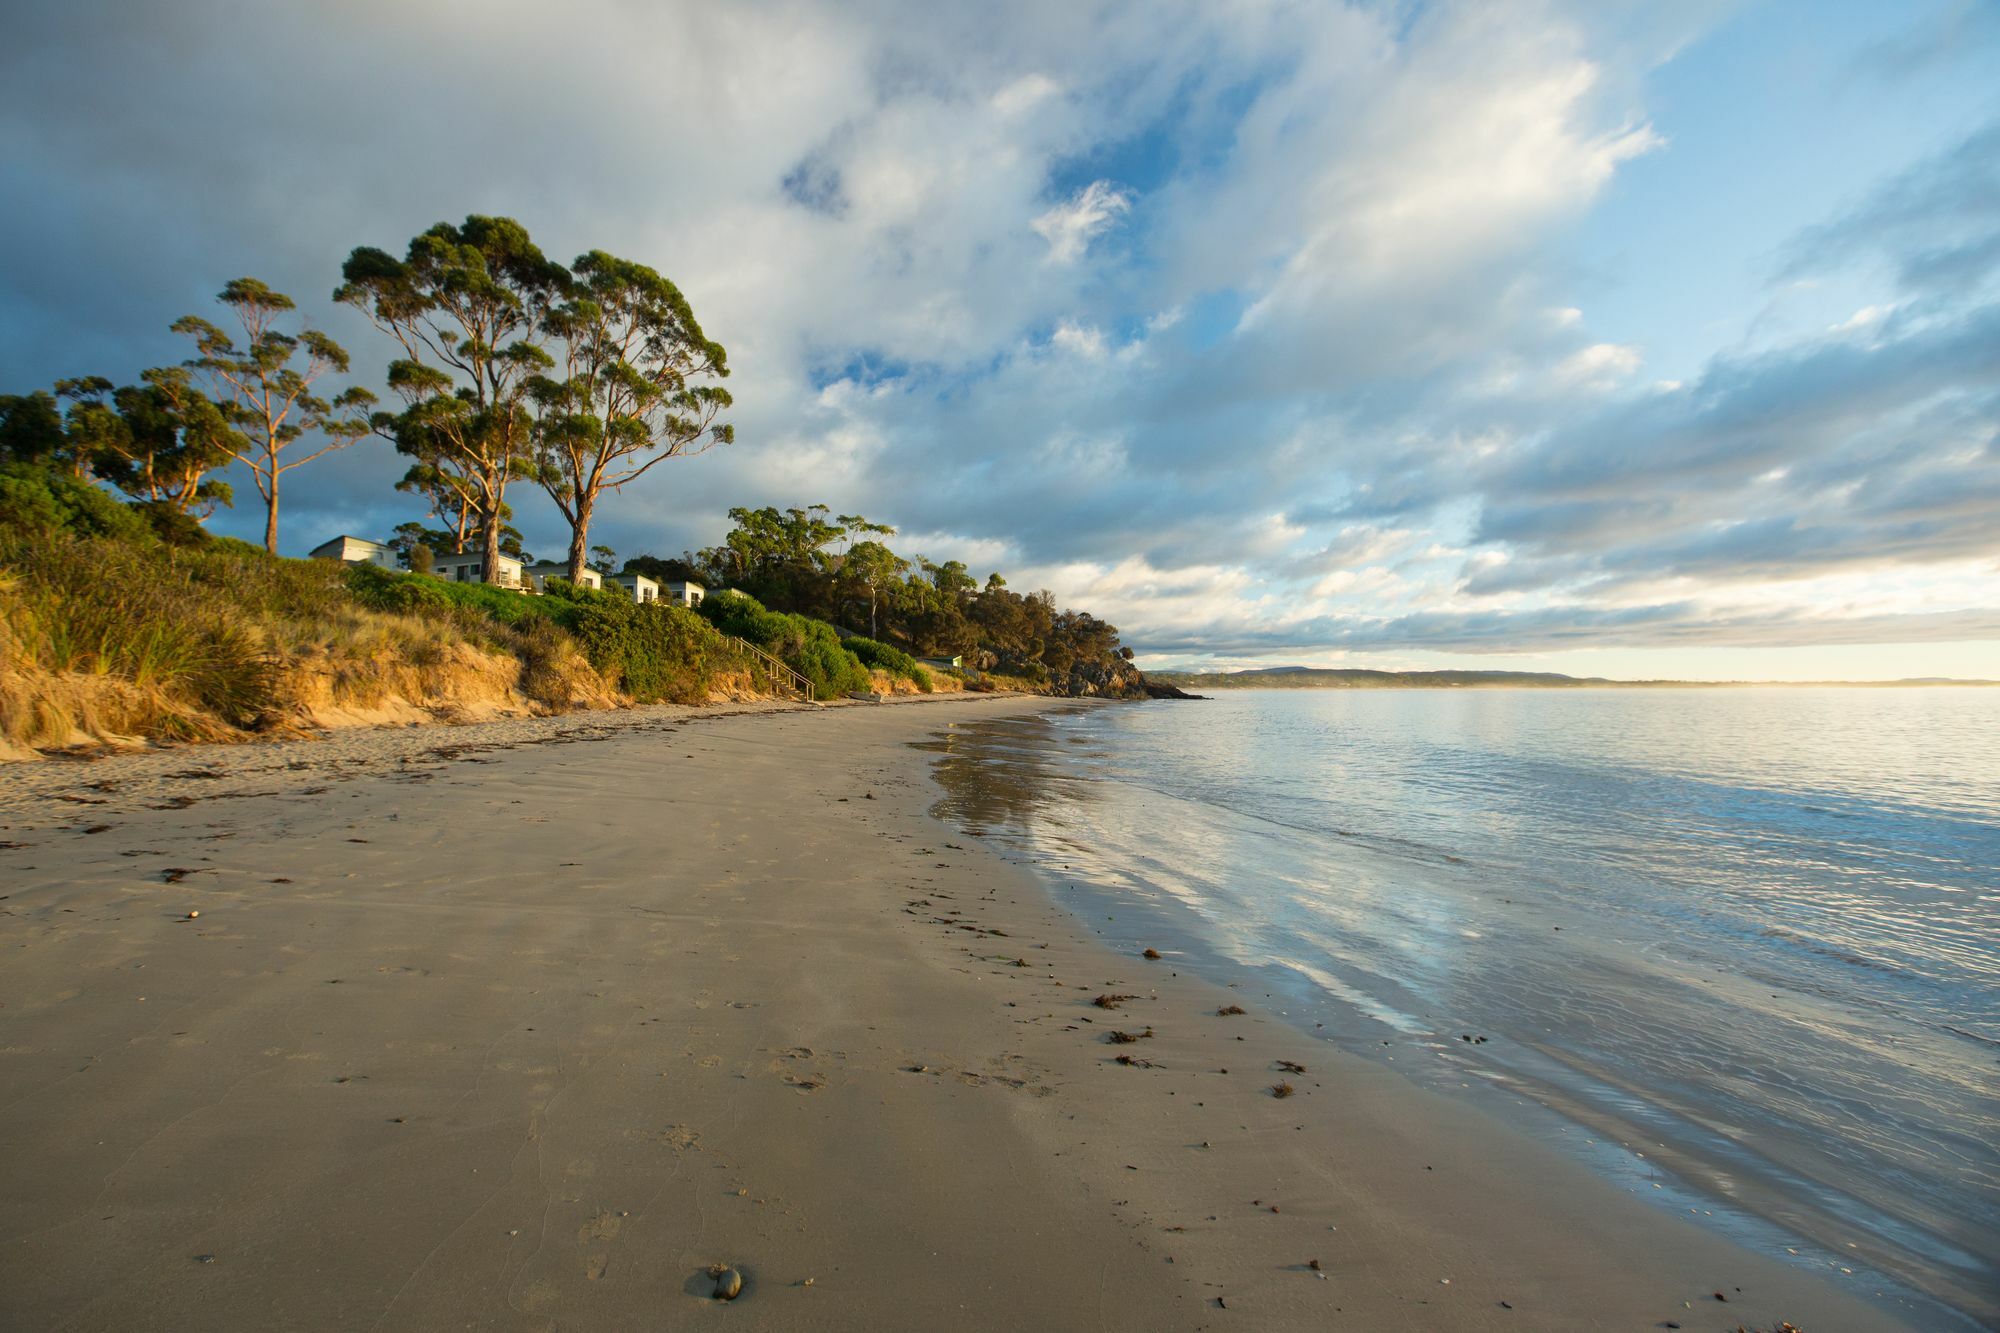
{"x":1751,"y":934}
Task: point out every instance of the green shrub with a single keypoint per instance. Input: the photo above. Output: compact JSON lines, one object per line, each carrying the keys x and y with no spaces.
{"x":36,"y":499}
{"x":810,"y":647}
{"x":895,"y":661}
{"x":657,"y":651}
{"x":386,"y":590}
{"x":175,"y":527}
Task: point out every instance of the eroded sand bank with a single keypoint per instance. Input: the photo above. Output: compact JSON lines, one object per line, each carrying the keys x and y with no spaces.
{"x":523,"y":1026}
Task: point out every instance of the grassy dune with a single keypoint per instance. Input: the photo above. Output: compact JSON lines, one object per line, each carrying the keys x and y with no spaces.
{"x":119,"y":626}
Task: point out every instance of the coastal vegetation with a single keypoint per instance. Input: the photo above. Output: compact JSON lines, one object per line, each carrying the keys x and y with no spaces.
{"x":121,"y":622}
{"x":838,"y":569}
{"x":512,"y":367}
{"x":125,"y":618}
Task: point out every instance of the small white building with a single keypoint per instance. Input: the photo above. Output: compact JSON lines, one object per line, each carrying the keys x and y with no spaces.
{"x":681,"y":593}
{"x":355,"y":551}
{"x":470,"y":567}
{"x":542,"y":571}
{"x":642,"y":588}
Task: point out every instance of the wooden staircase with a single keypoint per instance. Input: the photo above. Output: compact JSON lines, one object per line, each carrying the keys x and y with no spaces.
{"x":779,"y":677}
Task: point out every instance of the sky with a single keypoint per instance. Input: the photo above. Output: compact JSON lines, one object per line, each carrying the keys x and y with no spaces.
{"x":1627,"y":339}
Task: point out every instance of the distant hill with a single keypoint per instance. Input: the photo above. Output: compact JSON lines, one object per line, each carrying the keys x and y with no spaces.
{"x":1326,"y":678}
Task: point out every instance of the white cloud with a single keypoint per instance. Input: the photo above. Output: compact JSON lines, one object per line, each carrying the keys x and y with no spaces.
{"x":1267,"y":386}
{"x":1071,"y":226}
{"x":1079,"y":340}
{"x":1598,"y":367}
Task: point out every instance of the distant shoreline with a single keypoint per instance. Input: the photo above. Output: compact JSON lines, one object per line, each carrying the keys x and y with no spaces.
{"x":1318,"y":678}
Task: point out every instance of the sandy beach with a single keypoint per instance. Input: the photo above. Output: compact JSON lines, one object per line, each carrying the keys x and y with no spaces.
{"x":526,"y":1025}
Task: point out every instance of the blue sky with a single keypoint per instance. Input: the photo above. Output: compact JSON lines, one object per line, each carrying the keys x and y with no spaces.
{"x":1626,"y":339}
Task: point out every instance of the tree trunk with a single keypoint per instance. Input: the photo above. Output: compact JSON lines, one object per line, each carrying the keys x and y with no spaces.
{"x":271,"y":518}
{"x":871,"y":611}
{"x":490,"y":534}
{"x":579,"y":538}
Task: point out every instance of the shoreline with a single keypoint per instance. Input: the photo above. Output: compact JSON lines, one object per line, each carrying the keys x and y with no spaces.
{"x":1014,"y":784}
{"x":529,"y":1037}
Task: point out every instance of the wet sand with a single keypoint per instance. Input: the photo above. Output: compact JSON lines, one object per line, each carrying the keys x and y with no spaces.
{"x":525,"y":1025}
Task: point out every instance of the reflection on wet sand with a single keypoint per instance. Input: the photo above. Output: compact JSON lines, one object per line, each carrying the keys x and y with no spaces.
{"x":1006,"y":774}
{"x":1584,"y":903}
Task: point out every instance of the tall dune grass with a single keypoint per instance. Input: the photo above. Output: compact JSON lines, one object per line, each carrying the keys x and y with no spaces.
{"x":109,"y":632}
{"x":106,"y":639}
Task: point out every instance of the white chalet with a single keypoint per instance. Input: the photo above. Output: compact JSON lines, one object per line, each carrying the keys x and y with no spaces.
{"x":542,"y":571}
{"x":469,"y":567}
{"x":355,"y":551}
{"x":681,"y":593}
{"x":642,"y":588}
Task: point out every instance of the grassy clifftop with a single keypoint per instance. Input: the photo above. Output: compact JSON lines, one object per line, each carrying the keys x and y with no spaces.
{"x":119,"y":623}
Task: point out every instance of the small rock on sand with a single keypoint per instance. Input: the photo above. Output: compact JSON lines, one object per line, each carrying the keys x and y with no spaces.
{"x":728,"y":1284}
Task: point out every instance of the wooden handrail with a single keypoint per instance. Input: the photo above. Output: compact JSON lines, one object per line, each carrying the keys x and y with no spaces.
{"x":779,"y":669}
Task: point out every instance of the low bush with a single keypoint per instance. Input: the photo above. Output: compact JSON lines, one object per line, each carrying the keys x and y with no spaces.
{"x":895,"y":661}
{"x":810,"y":647}
{"x":38,"y":499}
{"x":656,"y":651}
{"x":387,"y":590}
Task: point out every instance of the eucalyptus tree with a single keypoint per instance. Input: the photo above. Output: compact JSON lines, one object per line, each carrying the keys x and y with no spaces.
{"x":60,"y":428}
{"x":638,"y":383}
{"x":168,"y":437}
{"x":89,"y":423}
{"x":854,"y":525}
{"x":467,"y":306}
{"x":31,"y":428}
{"x":267,"y":389}
{"x":872,"y":565}
{"x":450,"y":495}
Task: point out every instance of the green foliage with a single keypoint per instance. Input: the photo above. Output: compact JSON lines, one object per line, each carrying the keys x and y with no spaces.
{"x":892,"y":660}
{"x":265,"y":391}
{"x":31,"y":428}
{"x":169,"y":620}
{"x":171,"y":524}
{"x":802,"y":560}
{"x":385,"y":590}
{"x":666,"y":569}
{"x":656,"y":652}
{"x":810,"y":647}
{"x":158,"y":441}
{"x":155,"y":441}
{"x":34,"y":499}
{"x":467,"y":307}
{"x":636,"y":382}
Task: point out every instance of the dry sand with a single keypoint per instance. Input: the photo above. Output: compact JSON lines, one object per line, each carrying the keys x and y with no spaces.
{"x":524,"y":1025}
